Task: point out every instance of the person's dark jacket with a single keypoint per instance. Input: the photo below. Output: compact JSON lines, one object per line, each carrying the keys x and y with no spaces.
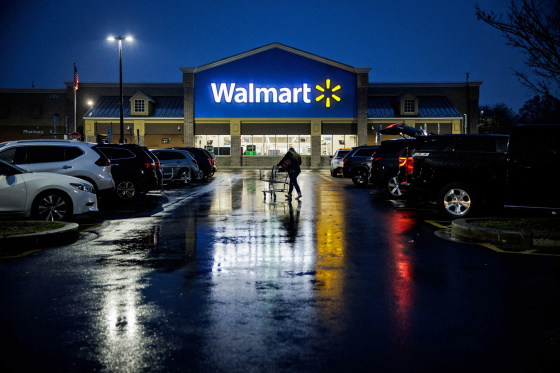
{"x":294,"y":164}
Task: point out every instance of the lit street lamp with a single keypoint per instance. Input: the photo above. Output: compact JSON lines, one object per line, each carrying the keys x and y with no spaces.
{"x":120,"y":39}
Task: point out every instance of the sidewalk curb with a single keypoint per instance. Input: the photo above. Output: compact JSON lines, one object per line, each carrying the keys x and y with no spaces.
{"x":462,"y":229}
{"x":55,"y":237}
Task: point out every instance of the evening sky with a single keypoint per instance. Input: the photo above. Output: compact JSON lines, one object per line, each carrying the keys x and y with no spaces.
{"x":401,"y":41}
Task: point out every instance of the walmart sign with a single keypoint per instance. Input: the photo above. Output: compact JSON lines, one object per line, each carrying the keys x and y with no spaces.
{"x":275,"y":84}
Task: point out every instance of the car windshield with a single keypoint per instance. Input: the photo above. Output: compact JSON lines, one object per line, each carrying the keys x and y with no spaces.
{"x":21,"y":170}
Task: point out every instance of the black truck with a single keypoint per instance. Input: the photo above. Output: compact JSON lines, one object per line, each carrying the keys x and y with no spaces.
{"x":464,"y":174}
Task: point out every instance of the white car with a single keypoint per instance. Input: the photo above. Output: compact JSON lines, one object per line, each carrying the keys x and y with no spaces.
{"x":66,"y":157}
{"x":44,"y":195}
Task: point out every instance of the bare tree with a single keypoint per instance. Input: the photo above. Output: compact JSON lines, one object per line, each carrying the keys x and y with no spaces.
{"x":533,"y":26}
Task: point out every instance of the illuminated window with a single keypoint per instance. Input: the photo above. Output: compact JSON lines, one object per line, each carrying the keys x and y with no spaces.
{"x":331,"y":143}
{"x":217,"y":144}
{"x":275,"y":145}
{"x":139,"y":106}
{"x":409,"y":106}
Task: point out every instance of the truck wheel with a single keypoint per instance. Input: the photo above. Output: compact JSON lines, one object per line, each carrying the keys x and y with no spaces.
{"x":457,"y":200}
{"x":392,"y":187}
{"x":360,"y":178}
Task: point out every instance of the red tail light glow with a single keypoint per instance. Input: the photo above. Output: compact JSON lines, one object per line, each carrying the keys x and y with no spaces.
{"x":375,"y":159}
{"x":344,"y":159}
{"x":402,"y":161}
{"x":103,"y":161}
{"x":409,"y":165}
{"x":150,"y":165}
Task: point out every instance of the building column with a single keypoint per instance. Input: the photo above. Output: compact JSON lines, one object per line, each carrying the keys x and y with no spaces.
{"x":235,"y":151}
{"x":188,"y":88}
{"x":315,"y":143}
{"x":362,"y":80}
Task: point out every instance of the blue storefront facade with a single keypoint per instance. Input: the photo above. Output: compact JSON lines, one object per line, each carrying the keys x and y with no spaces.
{"x":250,"y":108}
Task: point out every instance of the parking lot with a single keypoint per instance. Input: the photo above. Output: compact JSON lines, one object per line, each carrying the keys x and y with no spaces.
{"x":215,"y":277}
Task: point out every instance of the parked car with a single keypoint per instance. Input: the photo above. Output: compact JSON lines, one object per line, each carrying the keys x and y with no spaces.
{"x":67,"y":157}
{"x":206,"y":161}
{"x":357,"y":163}
{"x":385,"y":166}
{"x":135,"y":169}
{"x":44,"y":195}
{"x":460,"y":173}
{"x":178,"y":165}
{"x":337,"y":163}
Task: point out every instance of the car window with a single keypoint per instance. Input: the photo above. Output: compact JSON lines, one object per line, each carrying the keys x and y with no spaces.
{"x":116,"y":153}
{"x":164,"y":156}
{"x":8,"y":155}
{"x":72,"y":152}
{"x":45,"y":154}
{"x":177,"y":155}
{"x":367,"y":152}
{"x":341,"y":153}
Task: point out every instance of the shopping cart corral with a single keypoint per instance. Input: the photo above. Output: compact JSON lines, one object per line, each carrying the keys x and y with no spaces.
{"x":276,"y":181}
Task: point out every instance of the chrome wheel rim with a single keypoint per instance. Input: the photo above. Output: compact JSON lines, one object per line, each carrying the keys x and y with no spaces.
{"x":126,"y":190}
{"x":457,"y":202}
{"x":52,"y":207}
{"x":186,"y":176}
{"x":393,"y":187}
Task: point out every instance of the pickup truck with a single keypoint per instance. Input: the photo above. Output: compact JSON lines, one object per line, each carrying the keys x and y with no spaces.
{"x":463,"y":174}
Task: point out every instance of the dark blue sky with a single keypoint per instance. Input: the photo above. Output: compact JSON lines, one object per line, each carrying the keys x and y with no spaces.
{"x":402,"y":41}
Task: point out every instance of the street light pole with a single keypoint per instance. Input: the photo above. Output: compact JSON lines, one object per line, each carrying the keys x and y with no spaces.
{"x":121,"y":138}
{"x":120,"y":39}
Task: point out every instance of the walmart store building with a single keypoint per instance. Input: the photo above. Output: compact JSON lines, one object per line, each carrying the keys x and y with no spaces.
{"x":250,"y":108}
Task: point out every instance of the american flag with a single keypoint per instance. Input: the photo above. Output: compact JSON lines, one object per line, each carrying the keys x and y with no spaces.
{"x":76,"y":81}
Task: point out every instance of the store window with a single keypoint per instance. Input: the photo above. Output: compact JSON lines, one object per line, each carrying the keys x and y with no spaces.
{"x":217,"y":144}
{"x":275,"y":145}
{"x":331,"y":143}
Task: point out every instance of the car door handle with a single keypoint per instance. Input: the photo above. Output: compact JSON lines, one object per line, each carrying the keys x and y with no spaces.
{"x":66,"y":167}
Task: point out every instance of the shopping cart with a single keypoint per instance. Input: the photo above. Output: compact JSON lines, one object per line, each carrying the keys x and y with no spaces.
{"x":277,"y":182}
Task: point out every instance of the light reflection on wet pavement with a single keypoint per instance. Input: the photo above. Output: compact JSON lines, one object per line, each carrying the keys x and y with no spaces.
{"x":221,"y":279}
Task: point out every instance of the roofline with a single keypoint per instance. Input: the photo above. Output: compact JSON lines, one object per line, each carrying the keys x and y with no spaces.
{"x":117,"y":118}
{"x":415,"y":118}
{"x":267,"y":47}
{"x":126,"y":85}
{"x":32,"y":90}
{"x":474,"y":83}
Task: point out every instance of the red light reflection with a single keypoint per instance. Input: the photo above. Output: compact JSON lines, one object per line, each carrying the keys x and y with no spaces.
{"x":401,"y":276}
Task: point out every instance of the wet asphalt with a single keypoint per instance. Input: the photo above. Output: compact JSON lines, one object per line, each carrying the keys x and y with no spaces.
{"x":215,"y":278}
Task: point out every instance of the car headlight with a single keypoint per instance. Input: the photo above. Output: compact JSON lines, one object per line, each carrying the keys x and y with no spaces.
{"x":83,"y":187}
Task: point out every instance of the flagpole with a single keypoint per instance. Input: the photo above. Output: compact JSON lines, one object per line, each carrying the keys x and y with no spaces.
{"x":75,"y":89}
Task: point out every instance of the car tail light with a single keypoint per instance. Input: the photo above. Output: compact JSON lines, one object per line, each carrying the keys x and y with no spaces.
{"x":409,"y":165}
{"x":209,"y":160}
{"x":157,"y":165}
{"x":103,"y":161}
{"x":150,"y":165}
{"x":402,"y":161}
{"x":344,"y":159}
{"x":375,"y":159}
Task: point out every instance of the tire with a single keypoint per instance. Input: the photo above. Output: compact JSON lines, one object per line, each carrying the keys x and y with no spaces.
{"x":457,"y":200}
{"x":392,"y":187}
{"x":126,"y":190}
{"x":52,"y":206}
{"x":184,"y":176}
{"x":360,"y":178}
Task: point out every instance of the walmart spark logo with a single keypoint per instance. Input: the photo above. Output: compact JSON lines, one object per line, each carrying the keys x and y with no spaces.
{"x":327,"y":93}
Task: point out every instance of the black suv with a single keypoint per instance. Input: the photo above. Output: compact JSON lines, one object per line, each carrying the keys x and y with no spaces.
{"x":135,"y":169}
{"x":206,"y":161}
{"x":385,"y":166}
{"x":357,"y":163}
{"x":458,"y":172}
